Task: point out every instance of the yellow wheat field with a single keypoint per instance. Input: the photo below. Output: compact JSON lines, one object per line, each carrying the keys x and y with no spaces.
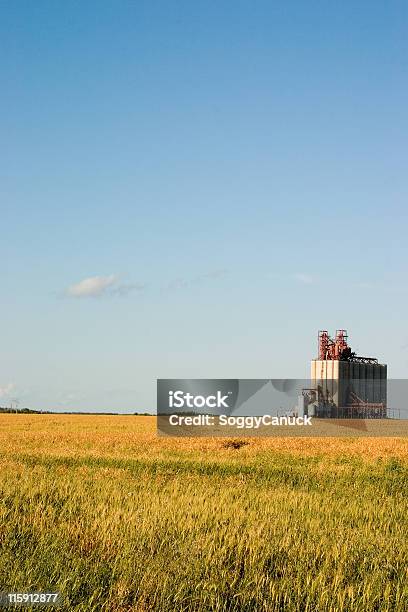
{"x":120,"y":520}
{"x":127,"y":436}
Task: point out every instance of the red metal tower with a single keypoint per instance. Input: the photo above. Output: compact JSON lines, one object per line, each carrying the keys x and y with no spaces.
{"x":338,"y":348}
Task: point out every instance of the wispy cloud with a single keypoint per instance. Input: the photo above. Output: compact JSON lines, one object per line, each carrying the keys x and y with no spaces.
{"x":123,"y":289}
{"x":101,"y":286}
{"x":69,"y":398}
{"x":305,"y":279}
{"x":183,"y":283}
{"x":366,"y":285}
{"x":110,"y":285}
{"x":6,"y":390}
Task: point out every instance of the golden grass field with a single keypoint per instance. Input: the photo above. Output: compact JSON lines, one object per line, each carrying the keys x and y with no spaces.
{"x":119,"y":519}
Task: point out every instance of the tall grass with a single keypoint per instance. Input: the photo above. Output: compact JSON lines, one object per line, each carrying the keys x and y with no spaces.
{"x":119,"y":521}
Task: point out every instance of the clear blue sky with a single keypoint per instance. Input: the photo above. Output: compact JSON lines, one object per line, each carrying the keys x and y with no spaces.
{"x":231,"y":176}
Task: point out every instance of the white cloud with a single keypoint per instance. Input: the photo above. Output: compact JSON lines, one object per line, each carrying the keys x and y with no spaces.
{"x":98,"y":286}
{"x":94,"y":286}
{"x":5,"y":390}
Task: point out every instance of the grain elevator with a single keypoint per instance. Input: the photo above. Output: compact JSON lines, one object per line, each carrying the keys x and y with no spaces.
{"x":343,"y":384}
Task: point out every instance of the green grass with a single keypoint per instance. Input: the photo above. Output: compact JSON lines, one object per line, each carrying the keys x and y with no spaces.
{"x":178,"y":532}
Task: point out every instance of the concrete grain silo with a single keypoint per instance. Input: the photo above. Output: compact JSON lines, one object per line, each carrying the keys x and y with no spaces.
{"x":346,"y":385}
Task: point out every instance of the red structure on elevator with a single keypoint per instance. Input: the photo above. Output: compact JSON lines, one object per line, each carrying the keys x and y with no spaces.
{"x":337,"y":349}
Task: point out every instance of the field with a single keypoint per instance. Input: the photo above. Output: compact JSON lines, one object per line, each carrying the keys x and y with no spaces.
{"x":118,"y":519}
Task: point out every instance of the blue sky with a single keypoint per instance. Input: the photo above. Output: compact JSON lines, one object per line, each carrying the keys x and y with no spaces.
{"x":231,"y":176}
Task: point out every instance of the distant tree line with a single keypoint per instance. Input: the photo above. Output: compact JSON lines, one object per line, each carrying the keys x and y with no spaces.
{"x":11,"y":410}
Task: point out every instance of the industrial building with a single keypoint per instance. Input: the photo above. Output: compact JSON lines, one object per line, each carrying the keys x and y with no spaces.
{"x":343,"y":384}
